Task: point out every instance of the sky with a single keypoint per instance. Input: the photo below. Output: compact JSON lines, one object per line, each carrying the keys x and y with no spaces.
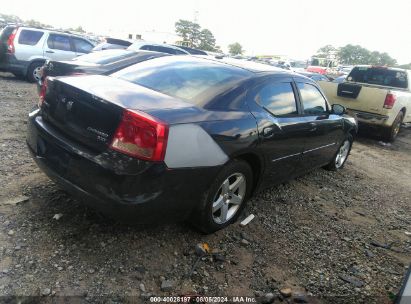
{"x":296,"y":28}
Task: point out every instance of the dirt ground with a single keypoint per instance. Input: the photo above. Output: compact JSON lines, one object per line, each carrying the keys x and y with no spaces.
{"x":329,"y":236}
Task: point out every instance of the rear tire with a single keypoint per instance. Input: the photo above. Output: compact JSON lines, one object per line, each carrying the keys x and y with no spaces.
{"x":392,"y":132}
{"x":342,"y":154}
{"x":226,"y":198}
{"x":33,"y":72}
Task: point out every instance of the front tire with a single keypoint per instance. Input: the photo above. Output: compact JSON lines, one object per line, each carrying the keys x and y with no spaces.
{"x":225,"y":199}
{"x":341,"y":156}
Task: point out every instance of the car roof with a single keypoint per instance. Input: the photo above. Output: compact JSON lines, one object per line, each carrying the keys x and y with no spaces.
{"x":53,"y":31}
{"x":250,"y":66}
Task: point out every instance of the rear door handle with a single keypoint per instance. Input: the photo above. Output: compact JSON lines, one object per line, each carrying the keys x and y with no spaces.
{"x":50,"y":52}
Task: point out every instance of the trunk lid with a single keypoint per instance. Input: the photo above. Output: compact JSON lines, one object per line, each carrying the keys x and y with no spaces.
{"x":356,"y":96}
{"x":88,"y":109}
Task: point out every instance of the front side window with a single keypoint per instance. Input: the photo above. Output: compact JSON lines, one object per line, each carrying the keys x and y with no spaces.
{"x":30,"y":37}
{"x":313,"y":101}
{"x":82,"y":46}
{"x":277,"y":98}
{"x":59,"y":42}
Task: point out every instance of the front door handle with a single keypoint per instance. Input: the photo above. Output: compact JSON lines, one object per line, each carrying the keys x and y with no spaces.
{"x":50,"y":52}
{"x":313,"y":126}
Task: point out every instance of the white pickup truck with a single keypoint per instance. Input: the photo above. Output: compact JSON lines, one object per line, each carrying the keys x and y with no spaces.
{"x":378,"y":96}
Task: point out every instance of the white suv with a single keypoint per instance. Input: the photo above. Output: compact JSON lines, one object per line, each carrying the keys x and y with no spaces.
{"x":28,"y":48}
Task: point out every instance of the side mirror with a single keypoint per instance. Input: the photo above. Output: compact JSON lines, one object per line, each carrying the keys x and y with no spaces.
{"x":338,"y":109}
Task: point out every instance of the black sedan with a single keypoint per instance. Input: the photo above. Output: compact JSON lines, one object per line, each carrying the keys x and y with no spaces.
{"x":184,"y":137}
{"x":101,"y":62}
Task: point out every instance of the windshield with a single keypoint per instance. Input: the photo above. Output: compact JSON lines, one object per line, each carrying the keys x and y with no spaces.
{"x":379,"y":76}
{"x":105,"y":57}
{"x":186,"y":78}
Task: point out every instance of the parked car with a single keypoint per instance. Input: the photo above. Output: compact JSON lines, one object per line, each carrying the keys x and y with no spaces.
{"x":156,"y":47}
{"x":315,"y":76}
{"x":101,"y":62}
{"x":184,"y":137}
{"x":379,"y":96}
{"x":317,"y":69}
{"x":192,"y":51}
{"x":112,"y":43}
{"x":340,"y":79}
{"x":28,"y":48}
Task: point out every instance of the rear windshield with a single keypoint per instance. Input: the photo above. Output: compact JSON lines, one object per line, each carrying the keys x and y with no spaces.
{"x":187,"y":78}
{"x":379,"y":76}
{"x":105,"y":56}
{"x":30,"y":37}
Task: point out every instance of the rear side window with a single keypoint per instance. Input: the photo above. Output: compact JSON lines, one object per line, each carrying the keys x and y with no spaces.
{"x":190,"y":79}
{"x":59,"y":42}
{"x":30,"y":37}
{"x":82,"y":46}
{"x":313,"y":101}
{"x":379,"y":76}
{"x":277,"y":98}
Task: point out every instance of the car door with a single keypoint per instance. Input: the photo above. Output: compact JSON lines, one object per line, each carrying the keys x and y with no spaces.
{"x":58,"y":47}
{"x":81,"y":46}
{"x":324,"y":129}
{"x":274,"y":105}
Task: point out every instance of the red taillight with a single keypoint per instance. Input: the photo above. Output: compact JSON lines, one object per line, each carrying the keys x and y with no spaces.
{"x":389,"y":101}
{"x":10,"y":42}
{"x":42,"y":94}
{"x":141,"y":135}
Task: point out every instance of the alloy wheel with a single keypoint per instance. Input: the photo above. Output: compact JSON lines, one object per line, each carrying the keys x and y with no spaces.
{"x":229,"y":198}
{"x":37,"y":74}
{"x":342,"y":154}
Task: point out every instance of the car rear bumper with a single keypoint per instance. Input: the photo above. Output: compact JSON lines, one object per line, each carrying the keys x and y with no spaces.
{"x":370,"y":118}
{"x":13,"y":65}
{"x":116,"y":184}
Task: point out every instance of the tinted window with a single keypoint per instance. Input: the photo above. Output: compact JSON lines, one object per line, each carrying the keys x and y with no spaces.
{"x":82,"y":46}
{"x":191,"y":79}
{"x":5,"y":33}
{"x":278,"y":98}
{"x":59,"y":42}
{"x":313,"y":101}
{"x":379,"y":76}
{"x":30,"y":37}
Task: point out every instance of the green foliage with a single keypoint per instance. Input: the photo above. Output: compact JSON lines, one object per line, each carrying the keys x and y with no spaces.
{"x":192,"y":33}
{"x":235,"y":49}
{"x":36,"y":23}
{"x":325,"y":51}
{"x":355,"y":54}
{"x":11,"y":18}
{"x":405,"y":66}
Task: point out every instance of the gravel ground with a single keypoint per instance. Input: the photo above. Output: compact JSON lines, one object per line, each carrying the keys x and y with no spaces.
{"x":325,"y":237}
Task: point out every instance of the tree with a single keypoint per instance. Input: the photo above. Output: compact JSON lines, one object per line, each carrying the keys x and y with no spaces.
{"x":189,"y":31}
{"x":36,"y":23}
{"x":235,"y":49}
{"x":207,"y":41}
{"x":11,"y":18}
{"x":355,"y":54}
{"x":326,"y":51}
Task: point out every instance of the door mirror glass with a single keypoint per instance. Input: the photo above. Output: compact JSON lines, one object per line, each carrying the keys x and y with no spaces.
{"x":338,"y":109}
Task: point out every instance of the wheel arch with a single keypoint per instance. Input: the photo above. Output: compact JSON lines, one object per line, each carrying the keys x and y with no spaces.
{"x":256,"y":164}
{"x":36,"y":60}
